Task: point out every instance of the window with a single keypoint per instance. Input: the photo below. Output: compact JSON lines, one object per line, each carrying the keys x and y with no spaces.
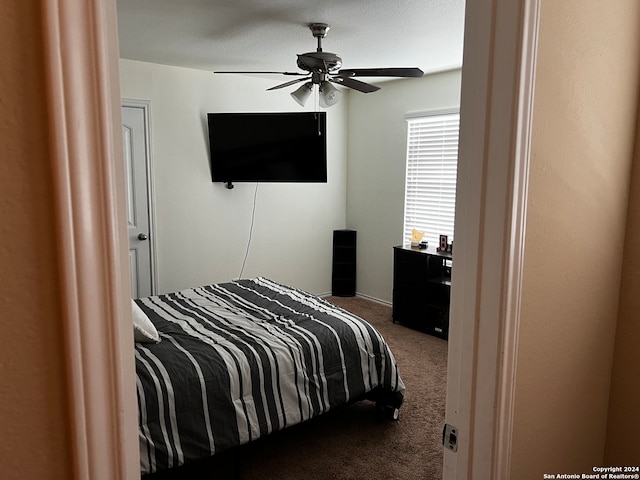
{"x":432,"y":164}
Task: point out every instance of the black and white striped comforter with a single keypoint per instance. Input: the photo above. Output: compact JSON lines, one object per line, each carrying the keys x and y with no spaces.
{"x":239,"y":360}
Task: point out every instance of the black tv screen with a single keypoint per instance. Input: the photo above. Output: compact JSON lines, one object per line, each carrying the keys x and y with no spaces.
{"x":268,"y":147}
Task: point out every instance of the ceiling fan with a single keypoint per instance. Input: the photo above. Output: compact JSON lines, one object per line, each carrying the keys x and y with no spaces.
{"x":323,"y":69}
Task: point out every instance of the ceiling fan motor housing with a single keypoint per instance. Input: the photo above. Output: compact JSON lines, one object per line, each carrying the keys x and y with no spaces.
{"x":319,"y":62}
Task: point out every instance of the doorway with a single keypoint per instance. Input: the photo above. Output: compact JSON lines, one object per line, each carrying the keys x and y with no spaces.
{"x":108,"y":414}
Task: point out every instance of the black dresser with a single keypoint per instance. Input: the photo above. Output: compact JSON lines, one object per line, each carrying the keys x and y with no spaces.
{"x":422,"y":289}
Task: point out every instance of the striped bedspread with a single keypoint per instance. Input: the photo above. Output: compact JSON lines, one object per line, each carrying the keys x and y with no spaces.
{"x":239,"y":360}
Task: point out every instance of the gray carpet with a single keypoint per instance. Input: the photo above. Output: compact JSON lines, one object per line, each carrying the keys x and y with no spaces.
{"x":352,"y":443}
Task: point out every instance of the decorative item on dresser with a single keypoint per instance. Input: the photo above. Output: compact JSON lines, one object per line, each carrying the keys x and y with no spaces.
{"x":343,"y":275}
{"x":422,"y":288}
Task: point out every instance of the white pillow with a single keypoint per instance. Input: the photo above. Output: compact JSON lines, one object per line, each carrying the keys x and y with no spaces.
{"x":143,"y":330}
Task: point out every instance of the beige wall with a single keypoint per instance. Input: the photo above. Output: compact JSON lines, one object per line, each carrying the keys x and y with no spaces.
{"x":34,"y":436}
{"x":623,"y":429}
{"x":583,"y":135}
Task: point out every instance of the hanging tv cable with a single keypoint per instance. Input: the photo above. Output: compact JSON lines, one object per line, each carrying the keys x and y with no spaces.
{"x":253,"y":216}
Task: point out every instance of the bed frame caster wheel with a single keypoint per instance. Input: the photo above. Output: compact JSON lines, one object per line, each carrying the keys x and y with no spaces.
{"x":388,"y":412}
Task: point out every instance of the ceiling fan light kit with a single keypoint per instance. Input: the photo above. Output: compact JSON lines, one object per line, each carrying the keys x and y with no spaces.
{"x":301,"y":94}
{"x":329,"y":95}
{"x":324,"y":67}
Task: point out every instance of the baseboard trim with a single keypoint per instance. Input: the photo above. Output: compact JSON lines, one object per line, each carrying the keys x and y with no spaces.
{"x":361,"y":295}
{"x":374,"y":299}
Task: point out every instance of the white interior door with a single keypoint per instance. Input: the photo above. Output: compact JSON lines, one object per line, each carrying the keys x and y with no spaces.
{"x":135,"y":134}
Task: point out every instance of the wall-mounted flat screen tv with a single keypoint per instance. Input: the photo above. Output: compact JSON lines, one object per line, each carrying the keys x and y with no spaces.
{"x":268,"y":147}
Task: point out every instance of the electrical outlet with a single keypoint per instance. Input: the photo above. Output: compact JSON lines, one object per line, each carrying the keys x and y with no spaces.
{"x":450,"y":437}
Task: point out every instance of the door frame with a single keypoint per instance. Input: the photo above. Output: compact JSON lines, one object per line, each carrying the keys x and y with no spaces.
{"x":145,"y":105}
{"x":83,"y":90}
{"x":81,"y":67}
{"x":496,"y":107}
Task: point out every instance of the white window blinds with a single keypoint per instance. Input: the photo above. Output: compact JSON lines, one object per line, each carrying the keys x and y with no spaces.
{"x":432,"y":164}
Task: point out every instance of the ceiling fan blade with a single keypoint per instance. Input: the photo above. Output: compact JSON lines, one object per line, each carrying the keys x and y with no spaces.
{"x":286,"y":84}
{"x":269,"y":73}
{"x":381,"y":72}
{"x":355,"y":84}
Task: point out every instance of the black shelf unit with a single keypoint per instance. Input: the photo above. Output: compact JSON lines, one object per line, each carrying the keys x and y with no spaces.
{"x":343,"y":273}
{"x":422,"y":289}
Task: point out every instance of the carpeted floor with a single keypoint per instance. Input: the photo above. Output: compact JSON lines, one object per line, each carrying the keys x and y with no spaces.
{"x":352,"y":443}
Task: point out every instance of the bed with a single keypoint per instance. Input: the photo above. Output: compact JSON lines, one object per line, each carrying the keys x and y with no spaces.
{"x":236,"y":361}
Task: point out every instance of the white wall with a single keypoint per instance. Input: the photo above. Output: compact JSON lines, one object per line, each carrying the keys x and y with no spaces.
{"x":376,"y":169}
{"x":202,"y":227}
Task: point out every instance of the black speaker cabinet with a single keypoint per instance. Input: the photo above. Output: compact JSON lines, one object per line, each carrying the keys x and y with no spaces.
{"x":343,"y":275}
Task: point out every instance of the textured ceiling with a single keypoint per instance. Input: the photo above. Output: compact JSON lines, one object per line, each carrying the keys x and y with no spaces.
{"x":267,"y":34}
